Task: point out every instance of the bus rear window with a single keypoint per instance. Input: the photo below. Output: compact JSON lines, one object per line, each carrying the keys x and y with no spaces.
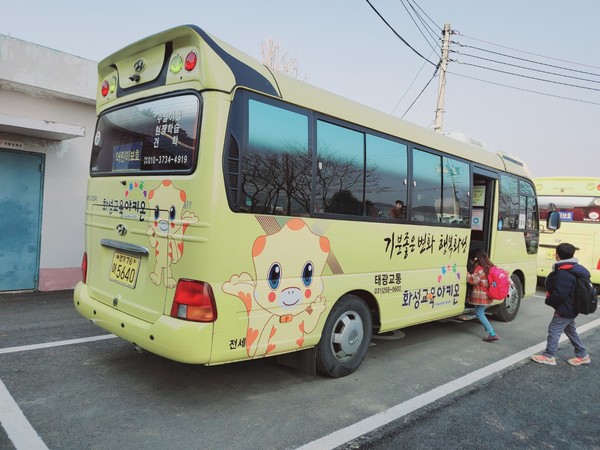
{"x":150,"y":137}
{"x":571,"y":208}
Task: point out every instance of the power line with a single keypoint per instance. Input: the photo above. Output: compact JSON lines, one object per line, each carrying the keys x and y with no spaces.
{"x":527,"y":76}
{"x":407,"y":89}
{"x":439,"y":29}
{"x":415,"y":14}
{"x":528,"y":60}
{"x":420,"y":93}
{"x":530,"y":53}
{"x":526,"y":68}
{"x":431,"y":34}
{"x":529,"y":68}
{"x":526,"y":90}
{"x":398,"y":35}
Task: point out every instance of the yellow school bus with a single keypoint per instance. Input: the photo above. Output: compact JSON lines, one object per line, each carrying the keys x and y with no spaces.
{"x":236,"y":213}
{"x":577,"y":199}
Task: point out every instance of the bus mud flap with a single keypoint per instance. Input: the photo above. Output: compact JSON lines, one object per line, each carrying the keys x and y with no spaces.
{"x":305,"y":360}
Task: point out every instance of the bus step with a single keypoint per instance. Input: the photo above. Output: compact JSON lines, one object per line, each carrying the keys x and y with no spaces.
{"x":466,"y":316}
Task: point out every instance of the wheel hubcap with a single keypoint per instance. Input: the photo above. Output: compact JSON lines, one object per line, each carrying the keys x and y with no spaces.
{"x":347,"y":336}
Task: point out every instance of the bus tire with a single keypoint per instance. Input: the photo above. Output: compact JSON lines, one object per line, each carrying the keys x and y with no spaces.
{"x":345,"y":339}
{"x":508,"y":310}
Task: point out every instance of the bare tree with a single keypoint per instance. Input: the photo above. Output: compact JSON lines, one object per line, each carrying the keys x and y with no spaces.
{"x":278,"y":61}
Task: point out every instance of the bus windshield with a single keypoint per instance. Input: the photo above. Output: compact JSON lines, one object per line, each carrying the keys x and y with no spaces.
{"x":154,"y":136}
{"x":577,"y":199}
{"x":572,"y":209}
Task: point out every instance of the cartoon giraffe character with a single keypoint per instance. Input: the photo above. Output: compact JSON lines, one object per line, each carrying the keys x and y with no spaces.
{"x":285,"y":301}
{"x":169,"y":218}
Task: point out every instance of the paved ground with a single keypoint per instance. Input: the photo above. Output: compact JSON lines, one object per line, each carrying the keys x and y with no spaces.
{"x":529,"y":406}
{"x":101,"y":394}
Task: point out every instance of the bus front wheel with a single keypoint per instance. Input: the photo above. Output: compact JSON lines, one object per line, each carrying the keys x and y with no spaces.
{"x":507,"y":311}
{"x":345,"y":339}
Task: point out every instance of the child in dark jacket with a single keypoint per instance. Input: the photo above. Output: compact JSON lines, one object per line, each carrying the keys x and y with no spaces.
{"x":560,"y":284}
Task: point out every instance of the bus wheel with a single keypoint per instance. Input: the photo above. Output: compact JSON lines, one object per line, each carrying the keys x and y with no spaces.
{"x":508,"y":310}
{"x":345,"y":339}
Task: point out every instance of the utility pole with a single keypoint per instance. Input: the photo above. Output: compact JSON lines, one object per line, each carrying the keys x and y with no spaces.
{"x":439,"y":112}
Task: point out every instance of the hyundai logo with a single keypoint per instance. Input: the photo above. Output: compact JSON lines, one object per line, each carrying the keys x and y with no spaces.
{"x":139,"y":65}
{"x":121,"y":230}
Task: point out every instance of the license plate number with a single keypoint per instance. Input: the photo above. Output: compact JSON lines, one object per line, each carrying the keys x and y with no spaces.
{"x":124,"y":269}
{"x":551,"y":254}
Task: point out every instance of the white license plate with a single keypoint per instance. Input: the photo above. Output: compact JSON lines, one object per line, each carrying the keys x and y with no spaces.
{"x":124,"y":269}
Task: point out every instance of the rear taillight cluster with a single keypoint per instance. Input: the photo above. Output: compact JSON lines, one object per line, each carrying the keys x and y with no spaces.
{"x":188,"y":63}
{"x":194,"y":300}
{"x":109,"y":86}
{"x":177,"y":63}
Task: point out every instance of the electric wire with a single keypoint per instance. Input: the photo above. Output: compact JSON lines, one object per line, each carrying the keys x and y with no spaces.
{"x":439,"y":29}
{"x":528,"y":60}
{"x":431,"y":35}
{"x":421,"y":93}
{"x":525,"y":67}
{"x":398,"y":35}
{"x":526,"y":76}
{"x":530,"y":53}
{"x":411,"y":84}
{"x":522,"y":89}
{"x":418,"y":15}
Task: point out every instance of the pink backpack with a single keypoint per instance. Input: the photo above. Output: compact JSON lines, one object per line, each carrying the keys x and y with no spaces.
{"x":499,"y":283}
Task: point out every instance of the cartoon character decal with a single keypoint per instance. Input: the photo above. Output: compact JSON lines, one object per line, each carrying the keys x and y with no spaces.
{"x":284,"y":301}
{"x":166,"y":226}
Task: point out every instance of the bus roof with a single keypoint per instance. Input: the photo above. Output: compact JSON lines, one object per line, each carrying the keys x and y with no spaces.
{"x":232,"y":69}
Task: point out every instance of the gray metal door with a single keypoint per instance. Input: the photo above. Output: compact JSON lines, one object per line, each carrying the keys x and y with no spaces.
{"x":21,"y":177}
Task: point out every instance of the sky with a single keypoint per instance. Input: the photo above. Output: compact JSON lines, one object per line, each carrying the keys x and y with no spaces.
{"x":345,"y":47}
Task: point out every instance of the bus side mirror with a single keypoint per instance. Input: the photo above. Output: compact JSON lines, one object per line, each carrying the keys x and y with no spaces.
{"x":553,"y":221}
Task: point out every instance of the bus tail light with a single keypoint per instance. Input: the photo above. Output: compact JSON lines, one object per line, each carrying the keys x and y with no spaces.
{"x":177,"y":62}
{"x":194,"y":300}
{"x":190,"y":61}
{"x":84,"y":268}
{"x":109,"y":87}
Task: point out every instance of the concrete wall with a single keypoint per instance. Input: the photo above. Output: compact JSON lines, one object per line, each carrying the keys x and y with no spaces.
{"x":47,"y":105}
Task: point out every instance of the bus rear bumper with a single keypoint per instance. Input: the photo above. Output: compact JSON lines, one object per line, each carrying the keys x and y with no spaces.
{"x":175,"y":339}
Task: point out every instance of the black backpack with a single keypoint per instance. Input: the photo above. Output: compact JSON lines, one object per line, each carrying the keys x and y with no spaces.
{"x":584,"y":295}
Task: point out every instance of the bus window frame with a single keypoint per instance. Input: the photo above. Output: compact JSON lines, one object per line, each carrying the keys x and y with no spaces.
{"x":238,"y":130}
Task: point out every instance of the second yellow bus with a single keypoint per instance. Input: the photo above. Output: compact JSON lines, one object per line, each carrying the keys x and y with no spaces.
{"x":577,"y":199}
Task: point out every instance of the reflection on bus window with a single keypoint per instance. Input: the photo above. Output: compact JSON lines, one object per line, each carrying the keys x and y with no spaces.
{"x":518,"y":209}
{"x":340,"y":175}
{"x":427,"y":188}
{"x":388,"y":171}
{"x":276,"y":165}
{"x":440,"y":189}
{"x":456,"y":185}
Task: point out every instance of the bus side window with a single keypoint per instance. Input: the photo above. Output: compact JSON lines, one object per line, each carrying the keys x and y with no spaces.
{"x":386,"y":160}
